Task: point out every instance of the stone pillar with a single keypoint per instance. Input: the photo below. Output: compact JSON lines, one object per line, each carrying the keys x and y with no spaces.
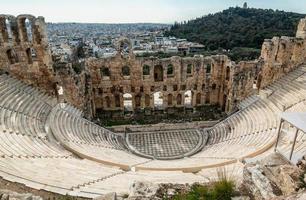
{"x":301,"y":30}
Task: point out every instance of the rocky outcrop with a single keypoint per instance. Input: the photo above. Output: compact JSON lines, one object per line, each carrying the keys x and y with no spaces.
{"x":9,"y":195}
{"x":270,"y":178}
{"x":142,"y":190}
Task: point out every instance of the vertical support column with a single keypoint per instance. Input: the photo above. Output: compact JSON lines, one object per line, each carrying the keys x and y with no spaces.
{"x":22,"y":29}
{"x":15,"y":31}
{"x":294,"y":141}
{"x":278,"y":134}
{"x":4,"y":32}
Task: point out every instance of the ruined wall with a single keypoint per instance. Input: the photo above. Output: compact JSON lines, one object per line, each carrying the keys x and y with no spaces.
{"x":76,"y":87}
{"x":129,"y":83}
{"x":209,"y":80}
{"x":24,"y":51}
{"x":280,"y":55}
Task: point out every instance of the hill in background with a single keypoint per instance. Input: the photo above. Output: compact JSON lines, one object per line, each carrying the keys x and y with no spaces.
{"x":241,"y":30}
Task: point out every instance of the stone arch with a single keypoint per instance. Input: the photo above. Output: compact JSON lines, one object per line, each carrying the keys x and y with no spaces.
{"x":8,"y":25}
{"x":124,"y":46}
{"x":158,"y":73}
{"x":29,"y":31}
{"x":126,"y":70}
{"x":107,"y":102}
{"x":25,"y":26}
{"x":199,"y":99}
{"x":31,"y":55}
{"x":179,"y":99}
{"x":158,"y":100}
{"x":188,"y":98}
{"x":228,"y":73}
{"x":170,"y":99}
{"x":147,"y":100}
{"x":127,"y":102}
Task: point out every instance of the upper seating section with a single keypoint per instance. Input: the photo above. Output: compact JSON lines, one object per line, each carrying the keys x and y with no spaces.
{"x":23,"y":114}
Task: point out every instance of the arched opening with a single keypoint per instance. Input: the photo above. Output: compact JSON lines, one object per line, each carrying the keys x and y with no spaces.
{"x":147,"y":100}
{"x":127,"y":102}
{"x":29,"y":55}
{"x":170,"y":97}
{"x":146,"y":70}
{"x":125,"y":71}
{"x":105,"y":71}
{"x":158,"y":73}
{"x":198,"y":99}
{"x":224,"y":102}
{"x":207,"y":98}
{"x":187,"y":98}
{"x":9,"y":30}
{"x":170,"y":70}
{"x":107,"y":102}
{"x":11,"y":56}
{"x":189,"y":69}
{"x":28,"y":28}
{"x":124,"y":46}
{"x":117,"y":101}
{"x":158,"y":100}
{"x":208,"y":68}
{"x":138,"y":101}
{"x":228,"y":71}
{"x":179,"y":99}
{"x":203,"y":87}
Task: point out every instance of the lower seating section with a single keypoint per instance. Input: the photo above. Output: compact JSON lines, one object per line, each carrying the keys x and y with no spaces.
{"x":126,"y":179}
{"x":57,"y":175}
{"x":49,"y":146}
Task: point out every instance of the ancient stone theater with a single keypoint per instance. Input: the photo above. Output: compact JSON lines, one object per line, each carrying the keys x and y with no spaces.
{"x":48,"y":141}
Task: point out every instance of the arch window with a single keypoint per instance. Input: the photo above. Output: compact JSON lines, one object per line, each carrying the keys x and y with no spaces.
{"x":170,"y":70}
{"x":125,"y":71}
{"x":158,"y":73}
{"x":146,"y":70}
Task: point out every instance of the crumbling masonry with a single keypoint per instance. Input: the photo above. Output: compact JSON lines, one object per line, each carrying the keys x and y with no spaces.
{"x":129,"y":83}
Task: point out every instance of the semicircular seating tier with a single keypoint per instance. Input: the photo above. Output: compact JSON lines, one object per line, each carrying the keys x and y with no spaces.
{"x":50,"y":146}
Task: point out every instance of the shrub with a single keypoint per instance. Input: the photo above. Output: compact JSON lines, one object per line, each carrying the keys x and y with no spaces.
{"x":221,"y":189}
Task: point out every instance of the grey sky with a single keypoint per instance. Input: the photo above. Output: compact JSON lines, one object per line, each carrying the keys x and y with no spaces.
{"x":119,"y":11}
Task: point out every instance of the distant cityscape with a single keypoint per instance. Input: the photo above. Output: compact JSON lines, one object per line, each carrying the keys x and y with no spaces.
{"x":100,"y":40}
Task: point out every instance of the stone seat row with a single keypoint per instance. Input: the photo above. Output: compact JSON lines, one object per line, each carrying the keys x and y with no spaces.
{"x":19,"y":123}
{"x":74,"y":128}
{"x":59,"y":175}
{"x":17,"y":145}
{"x":22,"y":87}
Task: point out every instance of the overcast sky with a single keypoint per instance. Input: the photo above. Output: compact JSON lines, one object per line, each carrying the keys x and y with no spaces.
{"x":128,"y":11}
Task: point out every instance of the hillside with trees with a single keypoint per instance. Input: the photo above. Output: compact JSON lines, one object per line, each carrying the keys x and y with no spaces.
{"x":241,"y":30}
